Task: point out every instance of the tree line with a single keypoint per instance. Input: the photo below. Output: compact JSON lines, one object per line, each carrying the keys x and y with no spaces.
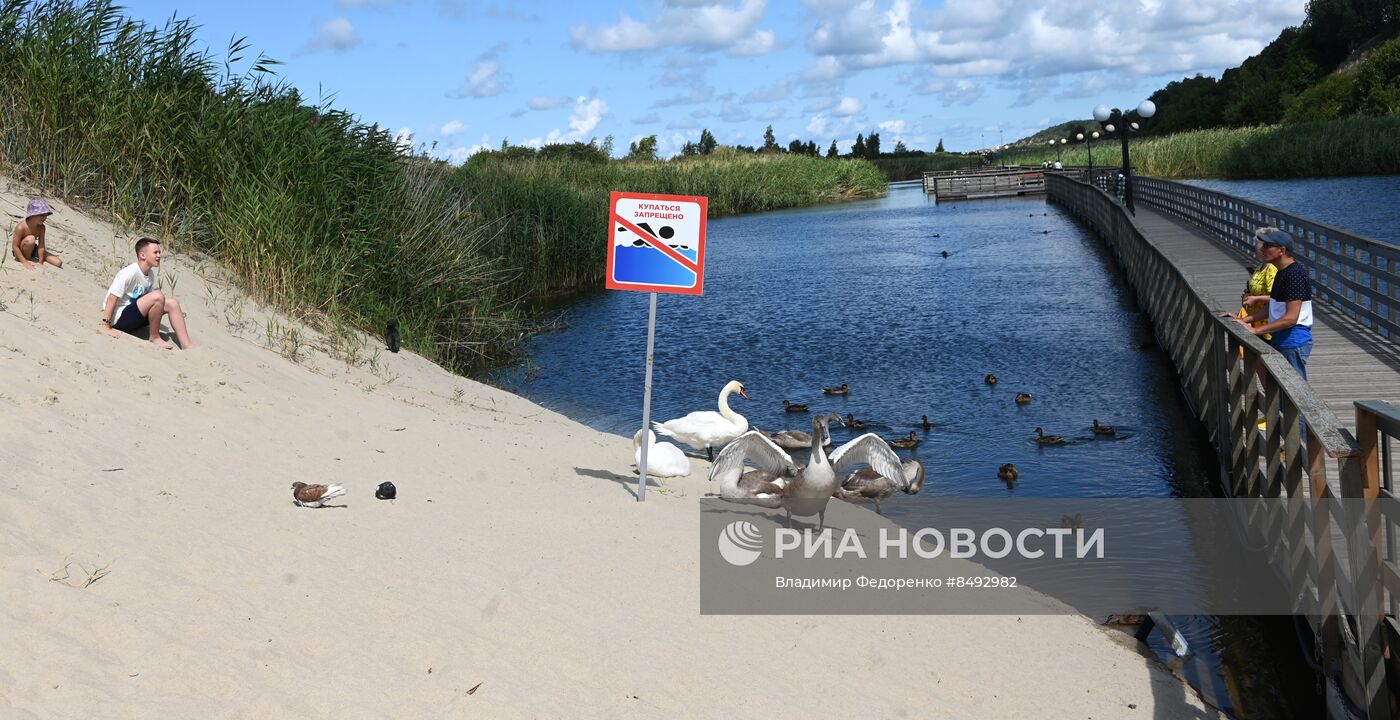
{"x":865,"y":147}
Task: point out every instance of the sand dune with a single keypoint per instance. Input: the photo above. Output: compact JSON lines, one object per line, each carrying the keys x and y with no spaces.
{"x":515,"y":560}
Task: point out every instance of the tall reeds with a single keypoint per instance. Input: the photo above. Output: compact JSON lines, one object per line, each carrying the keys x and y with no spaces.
{"x":314,"y":210}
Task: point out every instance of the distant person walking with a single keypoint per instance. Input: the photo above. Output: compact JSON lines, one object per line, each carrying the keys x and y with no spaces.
{"x":1288,"y":317}
{"x":28,"y":243}
{"x":132,"y":303}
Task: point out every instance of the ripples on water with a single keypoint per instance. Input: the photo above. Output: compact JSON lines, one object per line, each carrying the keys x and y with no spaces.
{"x":859,"y":293}
{"x":1364,"y":205}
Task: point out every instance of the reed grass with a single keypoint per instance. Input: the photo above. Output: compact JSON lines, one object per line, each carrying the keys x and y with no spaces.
{"x":311,"y":209}
{"x":1349,"y":146}
{"x":555,"y":210}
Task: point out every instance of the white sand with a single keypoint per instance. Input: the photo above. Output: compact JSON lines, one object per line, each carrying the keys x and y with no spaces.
{"x":515,"y":558}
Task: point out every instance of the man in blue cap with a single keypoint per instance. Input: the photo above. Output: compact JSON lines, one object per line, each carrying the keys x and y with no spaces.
{"x":1289,"y":314}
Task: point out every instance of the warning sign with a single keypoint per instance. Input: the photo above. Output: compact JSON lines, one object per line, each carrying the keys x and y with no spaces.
{"x":656,"y":243}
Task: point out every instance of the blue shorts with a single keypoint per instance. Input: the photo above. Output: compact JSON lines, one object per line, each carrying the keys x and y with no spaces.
{"x":131,"y":318}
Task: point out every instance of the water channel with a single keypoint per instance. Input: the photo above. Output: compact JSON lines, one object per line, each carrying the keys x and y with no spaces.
{"x":861,"y":293}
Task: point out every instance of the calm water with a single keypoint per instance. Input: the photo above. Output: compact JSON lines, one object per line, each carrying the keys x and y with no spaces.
{"x":860,"y":293}
{"x":1365,"y":204}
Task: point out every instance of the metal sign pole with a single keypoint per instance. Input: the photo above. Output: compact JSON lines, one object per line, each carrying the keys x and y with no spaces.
{"x":646,"y":404}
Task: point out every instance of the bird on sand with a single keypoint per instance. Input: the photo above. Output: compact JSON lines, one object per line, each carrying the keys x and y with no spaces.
{"x":314,"y":496}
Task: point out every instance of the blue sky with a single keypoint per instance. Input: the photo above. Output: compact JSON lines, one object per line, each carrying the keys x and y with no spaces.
{"x":465,"y":74}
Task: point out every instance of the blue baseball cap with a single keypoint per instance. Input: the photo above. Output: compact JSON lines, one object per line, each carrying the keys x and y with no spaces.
{"x":1279,"y":238}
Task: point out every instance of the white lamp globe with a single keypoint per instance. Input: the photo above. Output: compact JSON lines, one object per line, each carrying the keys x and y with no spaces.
{"x":1133,"y":126}
{"x":1094,"y":134}
{"x":1063,"y":141}
{"x":1079,"y":137}
{"x":1052,"y":142}
{"x":1147,"y":109}
{"x":1108,"y":127}
{"x":1102,"y":112}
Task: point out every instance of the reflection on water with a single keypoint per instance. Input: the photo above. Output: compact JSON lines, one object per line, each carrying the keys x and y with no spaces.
{"x":861,"y":293}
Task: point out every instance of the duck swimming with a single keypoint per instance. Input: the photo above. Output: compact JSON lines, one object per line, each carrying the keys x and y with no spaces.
{"x":905,"y":443}
{"x":990,"y":379}
{"x":707,"y":428}
{"x":1042,"y":439}
{"x":1008,"y":472}
{"x":842,"y":389}
{"x":794,"y":407}
{"x":854,"y":424}
{"x":1022,"y":398}
{"x":1104,"y":429}
{"x":926,"y":424}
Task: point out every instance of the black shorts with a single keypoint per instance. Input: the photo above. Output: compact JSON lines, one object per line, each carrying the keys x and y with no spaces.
{"x":130,"y":318}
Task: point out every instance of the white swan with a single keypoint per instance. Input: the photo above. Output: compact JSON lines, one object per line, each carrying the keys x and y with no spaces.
{"x":707,"y":428}
{"x":805,"y":491}
{"x":664,"y":460}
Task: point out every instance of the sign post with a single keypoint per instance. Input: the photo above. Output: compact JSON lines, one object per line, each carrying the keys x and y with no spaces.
{"x":656,"y":244}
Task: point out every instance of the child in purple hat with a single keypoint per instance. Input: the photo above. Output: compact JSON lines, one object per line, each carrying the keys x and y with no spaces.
{"x":27,"y":243}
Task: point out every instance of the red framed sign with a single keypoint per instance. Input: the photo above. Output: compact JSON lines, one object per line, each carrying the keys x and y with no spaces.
{"x":656,"y":243}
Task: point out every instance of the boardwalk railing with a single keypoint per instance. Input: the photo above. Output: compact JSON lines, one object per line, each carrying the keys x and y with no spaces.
{"x":1234,"y":381}
{"x":984,"y":183}
{"x":1354,"y":274}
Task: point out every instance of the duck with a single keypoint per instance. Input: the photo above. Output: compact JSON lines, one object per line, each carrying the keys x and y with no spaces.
{"x":866,"y":485}
{"x":842,"y":389}
{"x":945,"y":253}
{"x":794,"y":407}
{"x":664,"y":460}
{"x":794,"y":439}
{"x":905,"y":443}
{"x":1042,"y":439}
{"x":804,"y":491}
{"x":1104,"y":429}
{"x":707,"y":428}
{"x":1008,"y":472}
{"x":1022,"y":398}
{"x":854,"y":424}
{"x":990,"y":379}
{"x":926,"y":424}
{"x":937,"y":235}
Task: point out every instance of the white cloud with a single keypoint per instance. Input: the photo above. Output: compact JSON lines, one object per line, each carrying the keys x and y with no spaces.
{"x":485,"y":78}
{"x":451,"y":127}
{"x":1035,"y":38}
{"x":696,"y":95}
{"x":650,"y":118}
{"x":848,"y":106}
{"x":706,"y":25}
{"x":543,"y":102}
{"x":336,"y":34}
{"x":894,"y":127}
{"x":588,"y":112}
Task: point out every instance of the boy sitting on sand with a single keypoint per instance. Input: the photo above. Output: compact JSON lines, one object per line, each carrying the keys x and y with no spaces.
{"x":132,"y":303}
{"x":27,"y":243}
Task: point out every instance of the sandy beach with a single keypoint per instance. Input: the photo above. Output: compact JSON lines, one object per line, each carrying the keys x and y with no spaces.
{"x":152,"y":564}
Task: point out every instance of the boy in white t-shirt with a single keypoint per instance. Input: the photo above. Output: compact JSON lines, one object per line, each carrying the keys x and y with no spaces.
{"x":132,"y":303}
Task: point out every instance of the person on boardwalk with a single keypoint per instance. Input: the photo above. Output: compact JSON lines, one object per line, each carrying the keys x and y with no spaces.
{"x":1289,"y":315}
{"x":1256,"y":292}
{"x":27,"y":243}
{"x":132,"y":303}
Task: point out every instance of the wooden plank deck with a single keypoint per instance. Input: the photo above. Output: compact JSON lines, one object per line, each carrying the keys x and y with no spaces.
{"x":1348,"y":362}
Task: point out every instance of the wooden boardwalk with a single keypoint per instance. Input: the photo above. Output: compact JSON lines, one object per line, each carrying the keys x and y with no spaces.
{"x":1348,"y":362}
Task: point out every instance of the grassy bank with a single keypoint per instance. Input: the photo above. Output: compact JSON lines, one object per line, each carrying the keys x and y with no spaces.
{"x":555,"y":211}
{"x":312,"y":209}
{"x":1348,"y":146}
{"x":913,"y":167}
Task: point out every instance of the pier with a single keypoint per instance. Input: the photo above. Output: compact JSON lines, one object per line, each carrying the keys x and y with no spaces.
{"x":1182,"y":253}
{"x":984,"y":183}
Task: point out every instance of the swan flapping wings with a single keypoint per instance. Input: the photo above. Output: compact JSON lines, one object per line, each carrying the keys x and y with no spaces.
{"x":868,"y":449}
{"x":755,"y":448}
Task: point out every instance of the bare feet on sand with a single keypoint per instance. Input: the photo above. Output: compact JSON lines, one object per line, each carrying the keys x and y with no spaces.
{"x":162,"y":343}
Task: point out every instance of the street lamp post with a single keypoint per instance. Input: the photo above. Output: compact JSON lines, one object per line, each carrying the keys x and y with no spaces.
{"x":1104,"y":114}
{"x":1089,"y":142}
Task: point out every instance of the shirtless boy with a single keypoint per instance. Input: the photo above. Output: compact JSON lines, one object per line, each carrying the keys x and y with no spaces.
{"x":27,"y":243}
{"x":133,"y":302}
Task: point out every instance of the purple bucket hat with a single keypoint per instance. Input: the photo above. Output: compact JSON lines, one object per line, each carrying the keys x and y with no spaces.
{"x":37,"y":207}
